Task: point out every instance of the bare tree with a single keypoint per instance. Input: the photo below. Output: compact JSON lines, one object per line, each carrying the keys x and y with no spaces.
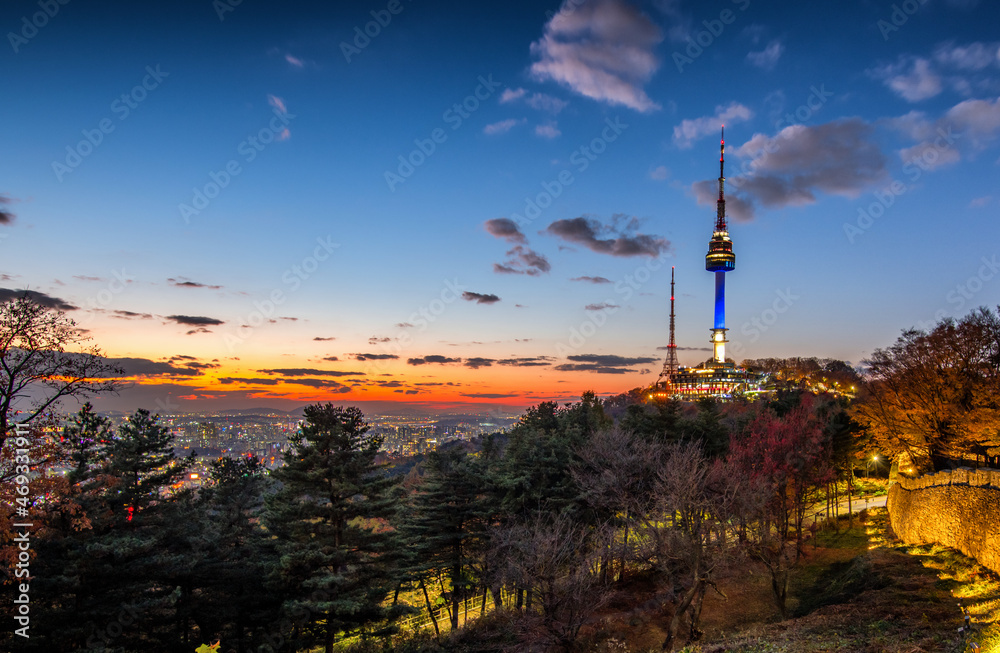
{"x":37,"y":369}
{"x":695,"y":500}
{"x":617,"y":473}
{"x":556,"y":561}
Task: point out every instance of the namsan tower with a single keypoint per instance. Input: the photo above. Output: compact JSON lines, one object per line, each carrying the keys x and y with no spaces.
{"x":720,"y":260}
{"x":714,"y":378}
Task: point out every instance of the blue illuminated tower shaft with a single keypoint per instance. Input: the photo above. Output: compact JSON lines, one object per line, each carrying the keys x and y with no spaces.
{"x":720,"y":300}
{"x":720,"y":259}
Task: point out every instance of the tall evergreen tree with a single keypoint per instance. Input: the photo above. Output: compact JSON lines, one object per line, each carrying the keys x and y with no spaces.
{"x":446,"y":522}
{"x":231,"y":601}
{"x":332,"y":519}
{"x":109,"y":552}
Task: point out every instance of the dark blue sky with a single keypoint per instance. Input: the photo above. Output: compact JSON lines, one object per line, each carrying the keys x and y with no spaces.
{"x":207,"y":160}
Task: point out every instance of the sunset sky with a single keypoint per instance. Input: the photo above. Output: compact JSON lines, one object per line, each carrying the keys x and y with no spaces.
{"x":478,"y":204}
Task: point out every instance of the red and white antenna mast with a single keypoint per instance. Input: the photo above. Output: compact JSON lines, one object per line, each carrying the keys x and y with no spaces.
{"x":670,"y":365}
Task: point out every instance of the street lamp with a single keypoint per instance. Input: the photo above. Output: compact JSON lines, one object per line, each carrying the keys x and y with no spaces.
{"x":874,"y":462}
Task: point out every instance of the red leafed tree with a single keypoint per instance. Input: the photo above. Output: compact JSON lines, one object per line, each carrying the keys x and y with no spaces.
{"x":788,"y":458}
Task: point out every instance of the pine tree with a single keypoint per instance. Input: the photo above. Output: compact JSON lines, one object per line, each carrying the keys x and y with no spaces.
{"x":446,"y":522}
{"x":230,"y":599}
{"x":332,"y":519}
{"x":112,"y":549}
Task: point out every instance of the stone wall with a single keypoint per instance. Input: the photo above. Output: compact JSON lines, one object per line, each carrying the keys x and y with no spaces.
{"x":959,"y":508}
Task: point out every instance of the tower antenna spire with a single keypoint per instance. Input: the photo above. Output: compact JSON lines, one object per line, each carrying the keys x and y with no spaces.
{"x":720,"y":218}
{"x":670,"y":365}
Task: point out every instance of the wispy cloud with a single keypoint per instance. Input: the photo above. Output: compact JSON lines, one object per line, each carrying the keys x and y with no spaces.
{"x":768,"y":57}
{"x":434,"y":358}
{"x":480,"y":298}
{"x":521,"y":260}
{"x":617,"y":239}
{"x":505,"y":228}
{"x":659,"y":173}
{"x":911,"y":78}
{"x":548,"y":130}
{"x":503,"y":126}
{"x":690,"y":130}
{"x":602,"y":50}
{"x":6,"y":215}
{"x":41,"y":298}
{"x":838,"y":157}
{"x":537,"y":101}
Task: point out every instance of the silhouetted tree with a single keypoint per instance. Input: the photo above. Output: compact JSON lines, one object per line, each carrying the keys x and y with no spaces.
{"x":332,"y":519}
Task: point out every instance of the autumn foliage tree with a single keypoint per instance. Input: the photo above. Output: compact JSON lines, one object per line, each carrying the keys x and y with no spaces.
{"x":787,"y":458}
{"x":935,"y":395}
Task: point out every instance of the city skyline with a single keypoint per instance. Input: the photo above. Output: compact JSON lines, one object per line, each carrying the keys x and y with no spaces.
{"x":253,"y":204}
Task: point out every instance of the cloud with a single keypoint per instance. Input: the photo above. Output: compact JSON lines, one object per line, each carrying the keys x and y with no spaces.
{"x":480,"y":298}
{"x":83,"y":277}
{"x":476,"y":362}
{"x":374,"y":357}
{"x":6,"y":216}
{"x":521,"y":260}
{"x":602,"y":49}
{"x":404,"y":325}
{"x":145,"y":367}
{"x":512,"y":94}
{"x":488,"y":395}
{"x":332,"y":359}
{"x":974,"y":56}
{"x":610,"y":359}
{"x":295,"y":61}
{"x":603,"y":306}
{"x":377,"y":340}
{"x":526,"y":361}
{"x":130,"y":315}
{"x":918,"y":84}
{"x":690,"y":130}
{"x":660,"y":173}
{"x":972,"y":122}
{"x":768,"y":57}
{"x":543,"y":102}
{"x":229,"y":380}
{"x":609,"y":239}
{"x":929,"y":156}
{"x":319,"y":339}
{"x":602,"y":363}
{"x":788,"y":169}
{"x":303,"y":371}
{"x":537,"y":101}
{"x":40,"y":298}
{"x":592,"y":279}
{"x":548,"y":130}
{"x":195,"y":320}
{"x":277,"y":103}
{"x":440,"y":360}
{"x":503,"y":126}
{"x":325,"y":384}
{"x":190,"y":284}
{"x":505,"y":228}
{"x":979,"y":119}
{"x":980,"y":202}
